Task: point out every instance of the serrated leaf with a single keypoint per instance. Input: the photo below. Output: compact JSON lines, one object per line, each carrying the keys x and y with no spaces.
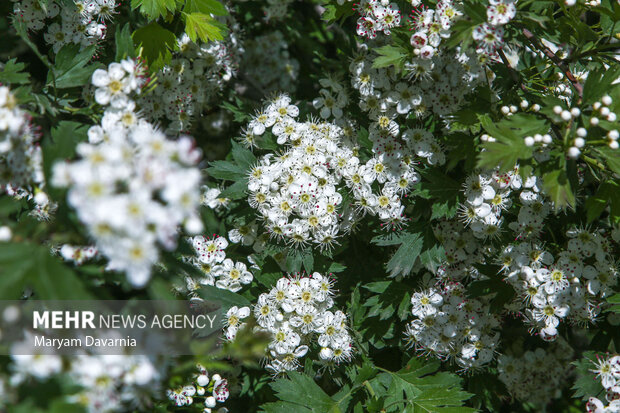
{"x":299,"y":393}
{"x":404,"y":258}
{"x":12,"y":73}
{"x":389,"y":56}
{"x":242,"y":156}
{"x":124,"y":43}
{"x":416,"y":389}
{"x":62,"y":144}
{"x":72,"y":68}
{"x":156,"y":43}
{"x":202,"y":26}
{"x":206,"y":7}
{"x":225,"y":170}
{"x":557,"y":186}
{"x":226,"y":298}
{"x":26,"y":265}
{"x":153,"y":9}
{"x":509,"y":146}
{"x":238,"y":190}
{"x":586,"y":386}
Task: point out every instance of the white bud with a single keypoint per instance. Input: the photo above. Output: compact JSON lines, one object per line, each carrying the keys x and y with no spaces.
{"x":484,"y":137}
{"x":210,"y":401}
{"x":202,"y":380}
{"x":557,"y":109}
{"x":605,"y":111}
{"x":559,"y":75}
{"x":416,"y":51}
{"x":216,"y":377}
{"x":547,"y":138}
{"x":513,"y":109}
{"x":200,"y":391}
{"x":535,"y":107}
{"x":41,"y":198}
{"x":565,"y":115}
{"x":529,"y":141}
{"x":575,"y":112}
{"x":611,"y":117}
{"x":582,"y":132}
{"x":606,"y":100}
{"x":613,"y":134}
{"x":505,"y":110}
{"x":570,"y":3}
{"x":538,"y":137}
{"x":593,"y":121}
{"x":596,"y":105}
{"x":5,"y":234}
{"x":193,"y":225}
{"x":524,"y":104}
{"x":573,"y":152}
{"x":580,"y":142}
{"x":613,"y":144}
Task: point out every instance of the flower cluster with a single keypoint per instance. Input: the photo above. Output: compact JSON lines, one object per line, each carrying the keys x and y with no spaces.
{"x":377,"y":16}
{"x":82,"y":22}
{"x":213,"y":389}
{"x":109,"y":382}
{"x":569,"y":287}
{"x":488,"y":195}
{"x":132,"y":186}
{"x":217,"y":270}
{"x":332,"y":100}
{"x":78,"y":255}
{"x":536,"y":376}
{"x":298,"y":193}
{"x":268,"y":65}
{"x":294,"y":312}
{"x":21,"y":165}
{"x":451,"y":326}
{"x":608,"y":371}
{"x":432,"y":26}
{"x":276,"y":9}
{"x":490,"y":36}
{"x":190,"y":82}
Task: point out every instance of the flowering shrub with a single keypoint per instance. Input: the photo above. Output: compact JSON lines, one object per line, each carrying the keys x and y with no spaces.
{"x":399,"y":206}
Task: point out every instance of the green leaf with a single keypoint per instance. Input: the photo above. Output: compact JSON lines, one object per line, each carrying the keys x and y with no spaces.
{"x":611,"y":157}
{"x":403,"y":259}
{"x":61,"y":146}
{"x":415,"y":389}
{"x":238,"y":190}
{"x":25,"y":265}
{"x":242,"y":156}
{"x":124,"y":43}
{"x":72,"y":67}
{"x":608,"y":194}
{"x":226,"y":170}
{"x":509,"y":146}
{"x":557,"y":186}
{"x":226,"y":298}
{"x":299,"y":393}
{"x":599,"y":83}
{"x":12,"y":73}
{"x":153,"y":9}
{"x":203,"y":26}
{"x":443,"y":190}
{"x":206,"y":7}
{"x":156,"y":43}
{"x":389,"y":56}
{"x":586,"y":386}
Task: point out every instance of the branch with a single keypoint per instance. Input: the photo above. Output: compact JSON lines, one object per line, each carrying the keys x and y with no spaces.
{"x":556,"y":60}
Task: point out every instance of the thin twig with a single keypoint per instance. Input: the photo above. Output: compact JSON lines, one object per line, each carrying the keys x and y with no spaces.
{"x":556,"y":60}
